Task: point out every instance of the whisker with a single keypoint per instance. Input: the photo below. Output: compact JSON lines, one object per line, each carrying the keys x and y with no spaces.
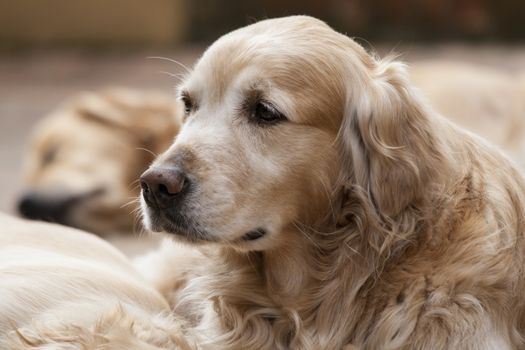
{"x":173,"y":75}
{"x":136,"y":187}
{"x":147,"y":150}
{"x":138,"y":228}
{"x":170,"y":60}
{"x":133,"y":201}
{"x":180,"y":77}
{"x":134,"y":211}
{"x":134,"y":182}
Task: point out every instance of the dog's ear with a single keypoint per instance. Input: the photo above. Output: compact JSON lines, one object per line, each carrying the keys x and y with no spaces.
{"x":151,"y":118}
{"x":388,"y":143}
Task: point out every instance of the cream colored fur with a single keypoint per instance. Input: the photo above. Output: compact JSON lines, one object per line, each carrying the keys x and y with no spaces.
{"x":485,"y":100}
{"x":64,"y":289}
{"x":387,"y":226}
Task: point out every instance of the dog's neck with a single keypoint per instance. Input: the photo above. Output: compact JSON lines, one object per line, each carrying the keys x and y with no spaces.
{"x":282,"y":273}
{"x":287,"y":269}
{"x":307,"y":280}
{"x":299,"y":288}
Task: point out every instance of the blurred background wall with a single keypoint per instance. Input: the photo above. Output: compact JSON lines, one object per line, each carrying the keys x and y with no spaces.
{"x":168,"y":23}
{"x":377,"y":19}
{"x":29,"y":23}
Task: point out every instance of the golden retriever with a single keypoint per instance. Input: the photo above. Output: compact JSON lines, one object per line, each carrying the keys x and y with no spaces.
{"x":85,"y":157}
{"x":333,"y":207}
{"x":64,"y":289}
{"x":487,"y":101}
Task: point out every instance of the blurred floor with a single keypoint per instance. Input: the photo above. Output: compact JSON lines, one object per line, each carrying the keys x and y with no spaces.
{"x":31,"y":84}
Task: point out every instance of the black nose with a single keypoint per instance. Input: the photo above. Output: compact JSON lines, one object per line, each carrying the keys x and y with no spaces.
{"x":163,"y":187}
{"x":38,"y":206}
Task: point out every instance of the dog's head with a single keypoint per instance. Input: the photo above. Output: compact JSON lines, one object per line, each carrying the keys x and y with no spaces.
{"x":281,"y":118}
{"x":84,"y":157}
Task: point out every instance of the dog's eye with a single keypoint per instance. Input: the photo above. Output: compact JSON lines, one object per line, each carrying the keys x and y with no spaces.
{"x":188,"y":104}
{"x":265,"y":113}
{"x":49,"y":155}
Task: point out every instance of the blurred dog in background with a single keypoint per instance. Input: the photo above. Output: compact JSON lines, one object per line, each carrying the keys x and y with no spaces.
{"x":85,"y":157}
{"x":484,"y":100}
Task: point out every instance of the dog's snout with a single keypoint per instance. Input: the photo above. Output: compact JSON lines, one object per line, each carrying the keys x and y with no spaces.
{"x":36,"y":206}
{"x":161,"y":187}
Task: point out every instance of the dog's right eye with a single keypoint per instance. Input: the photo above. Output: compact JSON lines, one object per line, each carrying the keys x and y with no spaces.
{"x":265,"y":113}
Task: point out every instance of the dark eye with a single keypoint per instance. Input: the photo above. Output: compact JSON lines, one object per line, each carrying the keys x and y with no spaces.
{"x":49,"y":155}
{"x":265,"y":113}
{"x":188,"y":104}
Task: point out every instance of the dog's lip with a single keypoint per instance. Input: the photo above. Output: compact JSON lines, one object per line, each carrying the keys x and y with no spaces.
{"x":177,"y":226}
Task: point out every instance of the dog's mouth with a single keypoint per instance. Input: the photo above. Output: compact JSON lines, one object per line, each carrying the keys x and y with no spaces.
{"x":54,"y":206}
{"x":178,"y":225}
{"x":186,"y":229}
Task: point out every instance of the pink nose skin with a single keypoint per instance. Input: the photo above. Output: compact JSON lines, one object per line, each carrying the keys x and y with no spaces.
{"x":161,"y":186}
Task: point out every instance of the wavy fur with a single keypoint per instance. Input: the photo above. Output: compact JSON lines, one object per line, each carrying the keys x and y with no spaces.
{"x":407,"y":235}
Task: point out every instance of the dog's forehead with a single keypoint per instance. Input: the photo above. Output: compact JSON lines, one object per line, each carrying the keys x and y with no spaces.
{"x":275,"y":39}
{"x":287,"y":60}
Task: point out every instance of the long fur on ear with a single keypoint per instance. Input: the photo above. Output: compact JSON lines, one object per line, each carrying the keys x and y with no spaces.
{"x":152,"y":118}
{"x":388,"y":140}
